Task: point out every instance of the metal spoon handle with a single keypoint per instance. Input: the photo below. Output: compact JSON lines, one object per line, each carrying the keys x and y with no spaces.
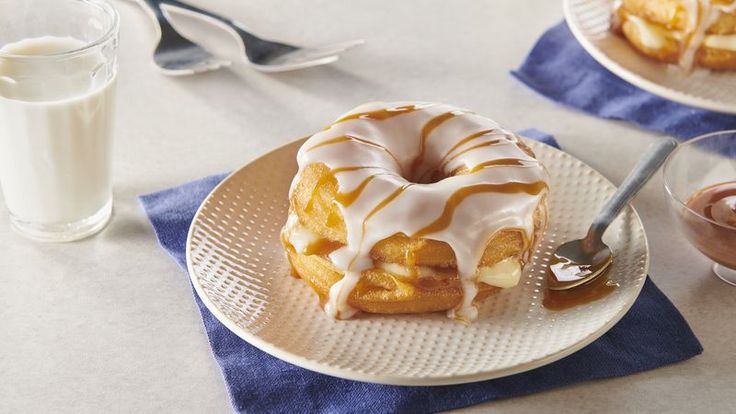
{"x":645,"y":168}
{"x":235,"y":25}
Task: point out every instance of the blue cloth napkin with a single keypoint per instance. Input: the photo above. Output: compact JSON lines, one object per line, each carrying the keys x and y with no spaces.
{"x":560,"y":69}
{"x":652,"y":334}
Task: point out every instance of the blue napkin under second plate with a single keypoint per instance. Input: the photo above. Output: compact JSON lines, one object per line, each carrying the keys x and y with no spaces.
{"x":652,"y":334}
{"x":560,"y":69}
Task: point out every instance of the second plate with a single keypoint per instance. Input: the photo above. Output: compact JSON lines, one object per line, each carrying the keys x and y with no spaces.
{"x":590,"y":21}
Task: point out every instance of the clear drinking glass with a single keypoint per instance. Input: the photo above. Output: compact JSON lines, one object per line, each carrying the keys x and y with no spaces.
{"x":700,"y":183}
{"x":58,"y":64}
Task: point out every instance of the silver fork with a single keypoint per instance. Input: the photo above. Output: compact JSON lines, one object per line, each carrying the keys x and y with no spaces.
{"x":267,"y":55}
{"x":175,"y":54}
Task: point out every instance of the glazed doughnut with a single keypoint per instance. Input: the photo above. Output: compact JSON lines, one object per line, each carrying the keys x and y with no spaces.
{"x":685,"y":32}
{"x":411,"y":208}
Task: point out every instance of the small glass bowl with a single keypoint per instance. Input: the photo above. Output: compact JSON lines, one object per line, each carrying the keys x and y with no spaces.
{"x":698,"y":164}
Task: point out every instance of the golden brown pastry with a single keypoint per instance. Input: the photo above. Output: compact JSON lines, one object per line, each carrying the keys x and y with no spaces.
{"x":685,"y":32}
{"x":411,"y":208}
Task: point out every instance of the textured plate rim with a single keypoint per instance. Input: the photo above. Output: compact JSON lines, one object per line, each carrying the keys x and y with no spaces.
{"x":650,"y":86}
{"x":349,"y":374}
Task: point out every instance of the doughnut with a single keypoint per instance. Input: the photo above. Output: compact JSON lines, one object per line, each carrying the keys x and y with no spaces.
{"x":413,"y":207}
{"x":685,"y":32}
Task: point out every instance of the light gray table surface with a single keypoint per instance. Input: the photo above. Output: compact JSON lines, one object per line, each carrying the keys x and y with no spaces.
{"x":108,"y":324}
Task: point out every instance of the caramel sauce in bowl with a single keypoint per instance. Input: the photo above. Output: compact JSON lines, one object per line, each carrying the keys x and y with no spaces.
{"x":700,"y":183}
{"x":715,"y":237}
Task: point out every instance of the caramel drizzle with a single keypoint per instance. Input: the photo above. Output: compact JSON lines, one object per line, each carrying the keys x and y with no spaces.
{"x":338,"y":170}
{"x":445,"y":219}
{"x":350,"y":138}
{"x":466,"y":140}
{"x":384,"y":203}
{"x":500,"y":161}
{"x":322,"y":247}
{"x":347,"y":199}
{"x":336,"y":140}
{"x":455,"y":147}
{"x":437,"y":171}
{"x":525,"y":148}
{"x":426,"y":131}
{"x":324,"y":179}
{"x":466,"y":150}
{"x":380,"y":206}
{"x":380,"y":114}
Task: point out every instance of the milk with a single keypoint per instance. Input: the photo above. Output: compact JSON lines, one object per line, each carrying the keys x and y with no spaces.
{"x":56,"y":128}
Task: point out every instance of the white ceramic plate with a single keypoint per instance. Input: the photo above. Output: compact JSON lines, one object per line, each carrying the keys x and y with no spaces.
{"x":589,"y":21}
{"x":240,"y":271}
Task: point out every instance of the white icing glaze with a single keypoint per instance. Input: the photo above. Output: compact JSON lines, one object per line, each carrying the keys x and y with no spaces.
{"x":504,"y":274}
{"x":391,"y":204}
{"x":702,"y":14}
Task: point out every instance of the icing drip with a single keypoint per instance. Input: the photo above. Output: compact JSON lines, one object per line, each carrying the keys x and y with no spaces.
{"x":701,"y":16}
{"x":380,"y":155}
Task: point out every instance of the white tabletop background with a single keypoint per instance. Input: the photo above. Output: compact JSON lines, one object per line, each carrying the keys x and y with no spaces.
{"x":108,"y":324}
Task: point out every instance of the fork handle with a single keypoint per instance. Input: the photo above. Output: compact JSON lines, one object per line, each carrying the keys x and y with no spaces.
{"x":645,"y":168}
{"x":237,"y":26}
{"x":253,"y":46}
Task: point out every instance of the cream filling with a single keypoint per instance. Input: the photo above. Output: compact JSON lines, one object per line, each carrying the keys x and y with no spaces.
{"x":655,"y":37}
{"x":299,"y":236}
{"x":404,"y":271}
{"x":504,"y":274}
{"x":724,"y":42}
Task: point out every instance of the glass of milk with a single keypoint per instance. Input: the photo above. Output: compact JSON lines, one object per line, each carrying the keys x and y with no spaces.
{"x":58,"y":64}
